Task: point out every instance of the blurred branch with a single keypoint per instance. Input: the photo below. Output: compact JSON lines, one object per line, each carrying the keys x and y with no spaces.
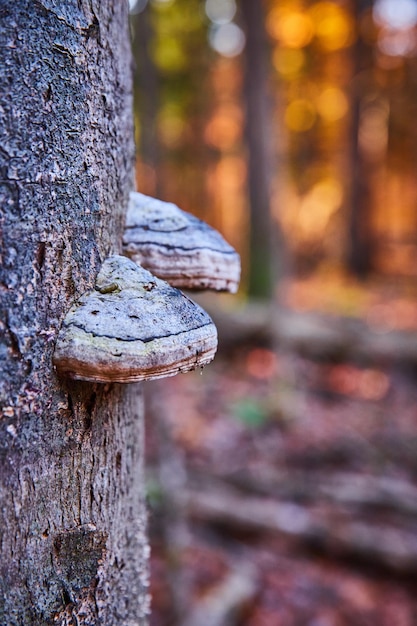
{"x":223,"y":605}
{"x":312,"y":334}
{"x":357,"y":491}
{"x":380,"y":545}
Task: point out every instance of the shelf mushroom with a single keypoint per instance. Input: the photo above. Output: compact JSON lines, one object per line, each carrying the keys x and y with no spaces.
{"x":132,"y":327}
{"x":178,"y":247}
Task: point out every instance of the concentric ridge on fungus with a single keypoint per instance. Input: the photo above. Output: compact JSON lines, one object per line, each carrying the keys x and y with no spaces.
{"x":133,"y":327}
{"x":178,"y":247}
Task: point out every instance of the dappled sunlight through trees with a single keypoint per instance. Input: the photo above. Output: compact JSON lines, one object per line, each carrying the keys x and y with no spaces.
{"x":341,"y":90}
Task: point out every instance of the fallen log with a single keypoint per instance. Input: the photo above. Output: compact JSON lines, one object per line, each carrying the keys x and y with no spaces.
{"x":358,"y":491}
{"x":385,"y":546}
{"x":311,"y":334}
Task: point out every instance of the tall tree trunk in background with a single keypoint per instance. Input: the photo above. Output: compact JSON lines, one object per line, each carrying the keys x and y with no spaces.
{"x":265,"y":258}
{"x":72,"y":518}
{"x":360,"y":239}
{"x":146,"y":95}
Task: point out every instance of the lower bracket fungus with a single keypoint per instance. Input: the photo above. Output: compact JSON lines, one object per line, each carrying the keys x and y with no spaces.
{"x":178,"y":247}
{"x":133,"y":327}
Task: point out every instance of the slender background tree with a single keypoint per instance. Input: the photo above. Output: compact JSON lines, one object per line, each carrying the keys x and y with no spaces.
{"x":360,"y":237}
{"x":264,"y":262}
{"x":72,"y":519}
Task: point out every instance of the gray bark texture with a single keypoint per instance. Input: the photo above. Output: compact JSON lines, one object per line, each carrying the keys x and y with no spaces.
{"x":72,"y":515}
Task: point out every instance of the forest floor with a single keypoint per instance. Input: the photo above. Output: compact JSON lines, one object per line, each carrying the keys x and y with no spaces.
{"x":283,"y":491}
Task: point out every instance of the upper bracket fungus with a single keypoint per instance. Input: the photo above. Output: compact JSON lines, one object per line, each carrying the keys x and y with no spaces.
{"x":132,"y":327}
{"x":178,"y":247}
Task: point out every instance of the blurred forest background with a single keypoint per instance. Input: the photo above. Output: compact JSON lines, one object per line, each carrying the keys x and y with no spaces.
{"x":283,"y":481}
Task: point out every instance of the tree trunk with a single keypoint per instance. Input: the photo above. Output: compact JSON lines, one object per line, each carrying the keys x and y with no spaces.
{"x":146,"y":84}
{"x":360,"y":249}
{"x":72,"y":518}
{"x":265,"y":241}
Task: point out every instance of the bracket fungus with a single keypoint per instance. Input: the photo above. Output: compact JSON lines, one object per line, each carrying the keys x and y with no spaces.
{"x":178,"y":247}
{"x":132,"y":327}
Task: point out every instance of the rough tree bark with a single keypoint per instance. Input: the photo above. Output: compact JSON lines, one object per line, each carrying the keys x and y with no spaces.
{"x":72,"y":518}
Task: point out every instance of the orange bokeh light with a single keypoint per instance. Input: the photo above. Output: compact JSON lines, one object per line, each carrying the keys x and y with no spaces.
{"x":333,"y":25}
{"x":262,"y":363}
{"x":292,"y":28}
{"x":225,"y":128}
{"x":300,"y":115}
